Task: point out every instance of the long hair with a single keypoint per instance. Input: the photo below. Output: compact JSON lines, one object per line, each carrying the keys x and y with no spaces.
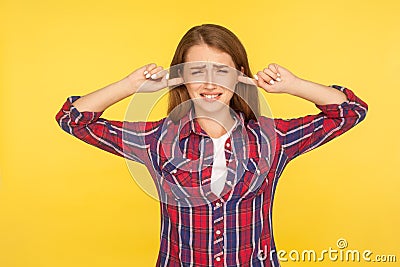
{"x":224,"y":40}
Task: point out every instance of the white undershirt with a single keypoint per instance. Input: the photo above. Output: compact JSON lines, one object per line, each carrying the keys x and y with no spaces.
{"x":219,"y":169}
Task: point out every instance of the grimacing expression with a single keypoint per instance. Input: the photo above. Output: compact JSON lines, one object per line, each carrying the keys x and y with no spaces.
{"x":210,"y":76}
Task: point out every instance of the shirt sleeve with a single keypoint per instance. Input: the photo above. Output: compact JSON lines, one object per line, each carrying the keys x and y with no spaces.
{"x":300,"y":135}
{"x":126,"y":139}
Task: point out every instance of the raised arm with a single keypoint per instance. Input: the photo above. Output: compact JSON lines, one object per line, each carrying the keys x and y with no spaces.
{"x":340,"y":109}
{"x":80,"y":115}
{"x":101,"y":99}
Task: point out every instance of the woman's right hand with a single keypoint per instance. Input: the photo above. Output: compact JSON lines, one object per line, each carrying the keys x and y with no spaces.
{"x":151,"y":78}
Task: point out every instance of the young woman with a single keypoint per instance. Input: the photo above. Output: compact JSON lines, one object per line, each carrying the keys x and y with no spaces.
{"x":234,"y":227}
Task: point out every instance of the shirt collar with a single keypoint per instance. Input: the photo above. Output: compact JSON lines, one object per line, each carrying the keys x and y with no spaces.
{"x":190,"y":125}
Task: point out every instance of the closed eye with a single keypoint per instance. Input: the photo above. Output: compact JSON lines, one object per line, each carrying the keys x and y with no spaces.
{"x":197,"y":72}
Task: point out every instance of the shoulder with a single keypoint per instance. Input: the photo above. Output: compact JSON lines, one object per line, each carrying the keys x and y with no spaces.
{"x":145,"y":126}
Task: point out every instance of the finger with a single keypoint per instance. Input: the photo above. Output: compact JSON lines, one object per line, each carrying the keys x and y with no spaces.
{"x":148,"y":68}
{"x":158,"y":73}
{"x":265,"y":77}
{"x":247,"y":80}
{"x":261,"y":82}
{"x":175,"y":82}
{"x":270,"y":73}
{"x":274,"y":68}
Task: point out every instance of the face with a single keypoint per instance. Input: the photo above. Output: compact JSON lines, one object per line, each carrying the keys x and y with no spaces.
{"x":211,"y":94}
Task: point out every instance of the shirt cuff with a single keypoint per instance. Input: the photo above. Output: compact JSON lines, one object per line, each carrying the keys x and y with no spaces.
{"x":79,"y":117}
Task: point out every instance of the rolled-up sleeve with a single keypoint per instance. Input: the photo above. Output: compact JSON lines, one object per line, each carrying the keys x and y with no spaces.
{"x":126,"y":139}
{"x":300,"y":135}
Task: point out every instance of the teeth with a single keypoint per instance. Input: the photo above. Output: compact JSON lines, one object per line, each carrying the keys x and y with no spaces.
{"x":211,"y":96}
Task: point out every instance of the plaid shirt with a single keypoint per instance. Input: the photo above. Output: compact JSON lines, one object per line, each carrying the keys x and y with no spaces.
{"x":236,"y":228}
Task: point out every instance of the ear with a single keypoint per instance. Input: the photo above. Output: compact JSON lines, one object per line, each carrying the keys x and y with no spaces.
{"x":175,"y":82}
{"x":242,"y":69}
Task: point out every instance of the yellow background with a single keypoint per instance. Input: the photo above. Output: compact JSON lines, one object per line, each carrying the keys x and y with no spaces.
{"x":65,"y":203}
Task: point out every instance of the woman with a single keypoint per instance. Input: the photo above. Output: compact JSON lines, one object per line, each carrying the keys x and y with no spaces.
{"x":233,"y":228}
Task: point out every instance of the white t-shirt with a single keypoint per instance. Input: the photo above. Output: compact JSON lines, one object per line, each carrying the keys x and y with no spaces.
{"x":219,"y":169}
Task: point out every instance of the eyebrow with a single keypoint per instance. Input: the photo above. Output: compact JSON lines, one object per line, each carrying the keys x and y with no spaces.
{"x":203,"y":66}
{"x":198,"y":67}
{"x":220,"y":66}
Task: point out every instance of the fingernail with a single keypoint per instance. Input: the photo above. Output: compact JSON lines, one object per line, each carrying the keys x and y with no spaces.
{"x":278,"y":79}
{"x":167,"y":76}
{"x":278,"y":74}
{"x":256,"y":77}
{"x":147,"y":75}
{"x":154,"y":76}
{"x":271,"y":82}
{"x":145,"y":72}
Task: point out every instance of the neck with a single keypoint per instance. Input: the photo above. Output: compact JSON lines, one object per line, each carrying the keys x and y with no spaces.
{"x":217,"y":124}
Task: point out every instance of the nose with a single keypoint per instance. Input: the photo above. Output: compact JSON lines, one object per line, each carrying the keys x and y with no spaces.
{"x":209,"y":85}
{"x":208,"y":81}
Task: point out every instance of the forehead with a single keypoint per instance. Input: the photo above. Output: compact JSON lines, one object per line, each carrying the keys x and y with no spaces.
{"x":206,"y":53}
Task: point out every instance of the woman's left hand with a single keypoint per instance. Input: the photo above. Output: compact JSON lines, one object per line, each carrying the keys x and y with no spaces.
{"x":276,"y":79}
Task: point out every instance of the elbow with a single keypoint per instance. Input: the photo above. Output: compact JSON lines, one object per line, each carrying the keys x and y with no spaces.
{"x":64,"y":121}
{"x":363,"y":110}
{"x":58,"y":117}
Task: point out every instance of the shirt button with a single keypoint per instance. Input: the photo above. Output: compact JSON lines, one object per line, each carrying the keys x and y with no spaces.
{"x":218,"y":204}
{"x":218,"y":232}
{"x":218,"y":259}
{"x":229,"y":182}
{"x":173,"y":171}
{"x":228,"y":145}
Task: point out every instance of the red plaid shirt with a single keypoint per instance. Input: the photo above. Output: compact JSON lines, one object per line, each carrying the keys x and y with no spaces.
{"x":235,"y":229}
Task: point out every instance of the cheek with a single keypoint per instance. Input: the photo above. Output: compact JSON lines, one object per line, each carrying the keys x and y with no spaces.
{"x":190,"y":91}
{"x":193,"y":89}
{"x":229,"y":94}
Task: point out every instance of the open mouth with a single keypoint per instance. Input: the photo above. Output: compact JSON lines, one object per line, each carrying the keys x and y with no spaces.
{"x":211,"y":96}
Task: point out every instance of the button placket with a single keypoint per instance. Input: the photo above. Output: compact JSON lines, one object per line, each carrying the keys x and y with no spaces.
{"x":219,"y":259}
{"x":218,"y":225}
